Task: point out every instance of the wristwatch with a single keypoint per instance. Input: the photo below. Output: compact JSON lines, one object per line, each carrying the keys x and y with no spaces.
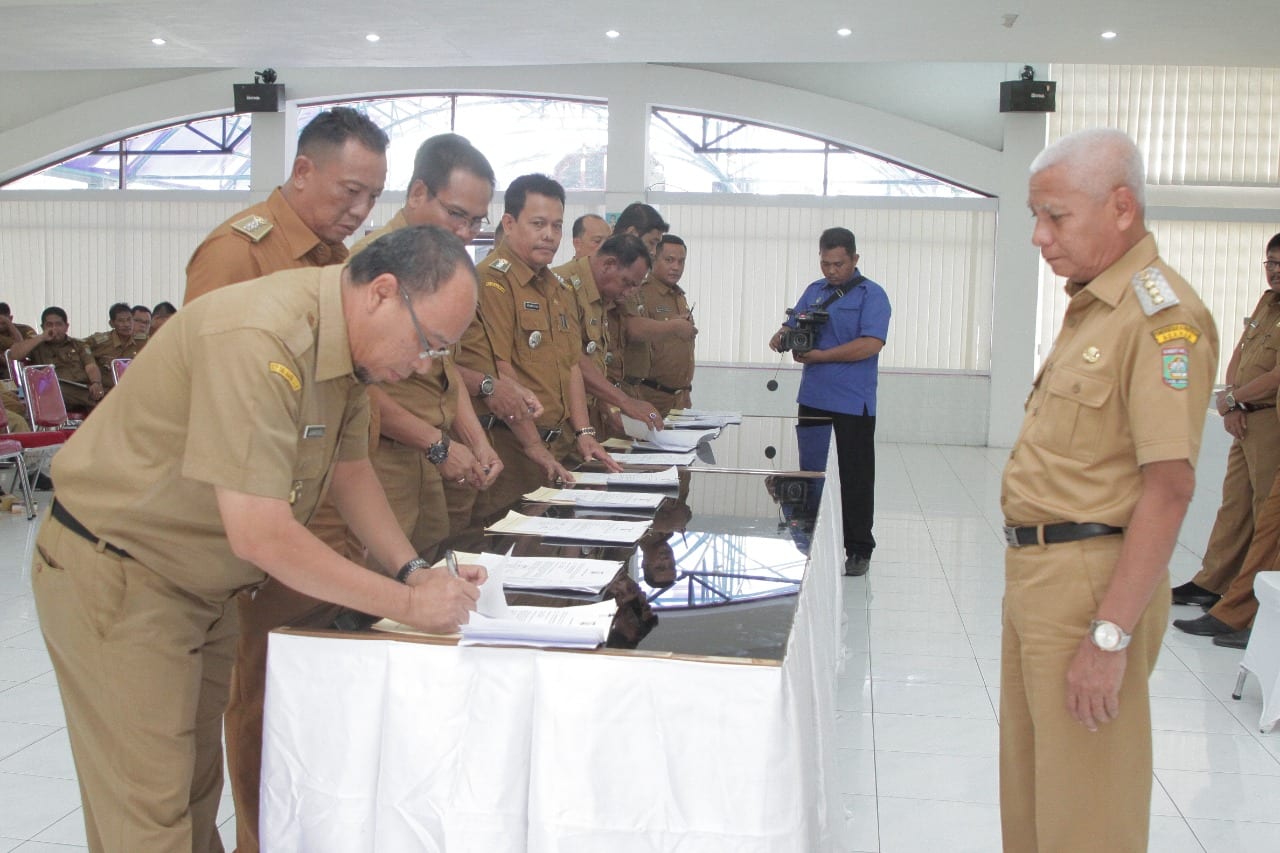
{"x":411,"y":567}
{"x":1108,"y":636}
{"x":439,"y":451}
{"x":486,"y":386}
{"x":1232,"y":405}
{"x":591,"y":431}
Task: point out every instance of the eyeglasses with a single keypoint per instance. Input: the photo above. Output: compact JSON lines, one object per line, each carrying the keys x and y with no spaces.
{"x":474,"y":224}
{"x":427,"y":350}
{"x":1271,"y":266}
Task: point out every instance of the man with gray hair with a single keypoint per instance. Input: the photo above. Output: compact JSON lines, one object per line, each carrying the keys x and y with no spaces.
{"x":1093,"y":496}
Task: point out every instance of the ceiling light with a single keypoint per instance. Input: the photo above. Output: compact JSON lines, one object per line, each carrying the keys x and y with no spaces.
{"x":844,"y":31}
{"x":1109,"y":34}
{"x":613,"y":34}
{"x":373,"y":37}
{"x":158,"y":42}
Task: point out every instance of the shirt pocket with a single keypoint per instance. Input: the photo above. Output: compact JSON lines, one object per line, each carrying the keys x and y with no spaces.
{"x":534,"y":343}
{"x":1073,"y":414}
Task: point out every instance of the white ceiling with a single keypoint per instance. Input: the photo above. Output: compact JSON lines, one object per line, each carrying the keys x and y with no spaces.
{"x":251,"y":34}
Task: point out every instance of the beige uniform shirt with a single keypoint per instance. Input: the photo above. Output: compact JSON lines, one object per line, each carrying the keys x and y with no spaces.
{"x":592,"y":319}
{"x":671,"y":361}
{"x":636,"y":353}
{"x":529,"y":320}
{"x":107,"y":347}
{"x":69,"y":357}
{"x":262,"y":239}
{"x":21,"y":333}
{"x":250,"y":389}
{"x":615,"y":359}
{"x":1127,"y":383}
{"x":1260,"y":341}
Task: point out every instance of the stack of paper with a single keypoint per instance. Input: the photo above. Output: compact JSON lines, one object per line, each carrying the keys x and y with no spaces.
{"x":666,"y":439}
{"x":630,"y":501}
{"x":572,"y":574}
{"x":667,"y":478}
{"x":587,"y":530}
{"x":687,"y":417}
{"x":582,"y":627}
{"x":625,"y":459}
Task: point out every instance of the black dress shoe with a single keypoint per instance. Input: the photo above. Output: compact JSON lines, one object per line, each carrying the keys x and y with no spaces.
{"x":1234,"y":640}
{"x":1207,"y":625}
{"x":856,"y":567}
{"x":1192,"y":593}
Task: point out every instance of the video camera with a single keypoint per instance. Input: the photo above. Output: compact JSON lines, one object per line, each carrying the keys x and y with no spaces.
{"x":804,"y":336}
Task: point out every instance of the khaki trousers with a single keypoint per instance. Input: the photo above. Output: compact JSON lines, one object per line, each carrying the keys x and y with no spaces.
{"x":143,"y":667}
{"x":1252,"y":465}
{"x":1238,"y":605}
{"x":1064,"y":789}
{"x":661,"y":400}
{"x":416,"y":494}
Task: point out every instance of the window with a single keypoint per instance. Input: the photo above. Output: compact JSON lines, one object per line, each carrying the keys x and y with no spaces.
{"x":707,"y":154}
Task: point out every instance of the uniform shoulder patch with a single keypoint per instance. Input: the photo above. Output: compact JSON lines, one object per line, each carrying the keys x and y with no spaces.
{"x":286,"y":374}
{"x":500,"y":264}
{"x":97,"y":339}
{"x":1177,"y":331}
{"x":252,"y":226}
{"x":497,"y":286}
{"x":1153,"y":291}
{"x":576,"y":281}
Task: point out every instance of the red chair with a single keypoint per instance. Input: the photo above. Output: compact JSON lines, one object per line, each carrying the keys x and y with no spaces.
{"x":13,"y":448}
{"x":118,"y":367}
{"x":44,"y":397}
{"x":14,"y":367}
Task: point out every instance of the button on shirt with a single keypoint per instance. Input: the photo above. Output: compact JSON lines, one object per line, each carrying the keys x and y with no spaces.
{"x":847,"y":387}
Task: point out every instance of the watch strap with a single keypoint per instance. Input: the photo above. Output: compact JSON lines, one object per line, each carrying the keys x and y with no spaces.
{"x":411,"y":567}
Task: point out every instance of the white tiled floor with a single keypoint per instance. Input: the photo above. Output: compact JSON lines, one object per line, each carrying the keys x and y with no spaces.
{"x":917,"y":696}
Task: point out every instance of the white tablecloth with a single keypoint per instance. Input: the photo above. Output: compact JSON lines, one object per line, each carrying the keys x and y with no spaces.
{"x":1262,"y":657}
{"x":394,"y":745}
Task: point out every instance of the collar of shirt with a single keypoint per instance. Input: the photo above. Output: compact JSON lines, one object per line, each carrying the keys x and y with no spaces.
{"x":333,"y":350}
{"x":826,"y":285}
{"x":1112,"y":283}
{"x":521,"y":273}
{"x":301,"y":239}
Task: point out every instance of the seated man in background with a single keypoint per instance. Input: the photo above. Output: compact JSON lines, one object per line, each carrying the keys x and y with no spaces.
{"x":160,"y":315}
{"x":78,"y":374}
{"x":118,"y":342}
{"x":11,"y":332}
{"x":141,"y":323}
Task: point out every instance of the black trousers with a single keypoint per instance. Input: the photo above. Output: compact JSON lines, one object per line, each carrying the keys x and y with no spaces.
{"x":855,"y":440}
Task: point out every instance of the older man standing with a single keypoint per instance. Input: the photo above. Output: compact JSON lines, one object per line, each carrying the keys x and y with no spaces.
{"x":1093,"y":496}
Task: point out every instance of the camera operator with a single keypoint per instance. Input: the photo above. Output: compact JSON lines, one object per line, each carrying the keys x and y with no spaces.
{"x":841,"y":358}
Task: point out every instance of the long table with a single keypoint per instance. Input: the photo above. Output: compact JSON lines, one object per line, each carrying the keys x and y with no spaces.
{"x":714,"y":733}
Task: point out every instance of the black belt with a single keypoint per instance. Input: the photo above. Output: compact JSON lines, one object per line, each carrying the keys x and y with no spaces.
{"x":657,"y":386}
{"x":1052,"y":534}
{"x":69,"y":521}
{"x":1255,"y":407}
{"x":547,"y":434}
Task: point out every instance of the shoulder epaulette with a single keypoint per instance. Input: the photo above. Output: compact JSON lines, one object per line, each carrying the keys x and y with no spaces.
{"x":500,"y":264}
{"x":1153,"y":291}
{"x":252,"y":226}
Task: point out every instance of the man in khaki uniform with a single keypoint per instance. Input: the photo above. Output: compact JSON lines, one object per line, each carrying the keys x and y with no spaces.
{"x":1093,"y":496}
{"x":661,"y":321}
{"x":589,"y":231}
{"x":599,"y":281}
{"x":338,"y":173}
{"x":78,"y":373}
{"x":11,"y":332}
{"x":1248,"y":409}
{"x":244,"y":413}
{"x":526,"y":329}
{"x":337,"y":176}
{"x":451,"y":187}
{"x":119,"y":342}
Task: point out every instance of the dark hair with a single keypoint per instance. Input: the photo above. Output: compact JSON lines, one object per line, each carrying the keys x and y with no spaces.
{"x":332,"y":128}
{"x":838,"y":238}
{"x":4,"y":309}
{"x":580,"y":224}
{"x":1272,"y":245}
{"x":642,"y":217}
{"x":164,"y":309}
{"x":55,"y":311}
{"x":514,"y":199}
{"x":114,"y":311}
{"x":671,"y":240}
{"x":421,"y":257}
{"x":138,"y":308}
{"x":439,"y":156}
{"x":626,"y":249}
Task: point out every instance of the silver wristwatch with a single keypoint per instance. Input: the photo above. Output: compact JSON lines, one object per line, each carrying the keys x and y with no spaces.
{"x":1108,"y":636}
{"x":486,"y":386}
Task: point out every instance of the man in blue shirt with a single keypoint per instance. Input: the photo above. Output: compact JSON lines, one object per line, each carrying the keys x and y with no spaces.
{"x":839,"y":381}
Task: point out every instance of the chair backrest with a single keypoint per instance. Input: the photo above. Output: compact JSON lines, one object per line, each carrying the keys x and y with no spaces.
{"x":118,"y":367}
{"x":14,"y":368}
{"x":44,"y":396}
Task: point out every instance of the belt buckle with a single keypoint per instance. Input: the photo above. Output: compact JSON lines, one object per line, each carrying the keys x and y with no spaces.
{"x":1011,"y":537}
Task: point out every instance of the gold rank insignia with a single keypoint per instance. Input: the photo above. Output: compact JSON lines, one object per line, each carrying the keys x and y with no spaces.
{"x":252,"y":226}
{"x":1182,"y":331}
{"x":501,"y":264}
{"x":1092,"y":354}
{"x":286,"y":374}
{"x":1153,"y":291}
{"x":496,"y":285}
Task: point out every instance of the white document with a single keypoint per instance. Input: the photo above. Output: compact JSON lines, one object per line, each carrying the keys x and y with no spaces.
{"x":625,"y":459}
{"x":682,"y":440}
{"x":581,"y":627}
{"x":667,"y":478}
{"x":720,"y":418}
{"x":586,"y":530}
{"x":634,"y":501}
{"x":573,"y":574}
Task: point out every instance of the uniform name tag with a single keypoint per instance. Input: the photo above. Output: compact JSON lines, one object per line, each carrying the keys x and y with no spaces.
{"x":533,"y":306}
{"x":313,"y":431}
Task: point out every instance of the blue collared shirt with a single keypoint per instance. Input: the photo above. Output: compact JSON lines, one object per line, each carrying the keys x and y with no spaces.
{"x":848,"y":387}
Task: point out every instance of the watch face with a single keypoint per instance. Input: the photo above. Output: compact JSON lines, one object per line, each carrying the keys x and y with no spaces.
{"x":486,"y":386}
{"x":1106,"y":636}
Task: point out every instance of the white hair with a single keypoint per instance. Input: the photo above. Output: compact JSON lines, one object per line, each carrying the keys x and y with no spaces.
{"x":1101,"y":159}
